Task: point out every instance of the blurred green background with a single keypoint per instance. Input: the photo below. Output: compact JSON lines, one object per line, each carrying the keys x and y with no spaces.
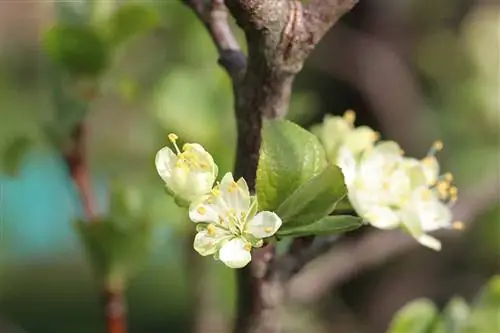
{"x":417,"y":70}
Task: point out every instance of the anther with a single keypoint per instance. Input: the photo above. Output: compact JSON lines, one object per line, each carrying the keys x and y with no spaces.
{"x":458,"y":225}
{"x":211,"y":230}
{"x":268,"y":230}
{"x":438,"y":145}
{"x":448,"y":177}
{"x":201,"y":210}
{"x":350,"y":116}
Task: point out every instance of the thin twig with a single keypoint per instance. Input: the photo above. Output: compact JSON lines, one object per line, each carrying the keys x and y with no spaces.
{"x":75,"y":157}
{"x":352,"y":257}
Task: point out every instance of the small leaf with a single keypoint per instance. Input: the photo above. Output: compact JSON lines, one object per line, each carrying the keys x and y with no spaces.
{"x":77,"y":48}
{"x":485,"y":316}
{"x":289,"y":157}
{"x":114,"y":250}
{"x":329,"y":225}
{"x":416,"y":317}
{"x":131,"y":20}
{"x":456,"y":315}
{"x":315,"y":199}
{"x":13,"y":155}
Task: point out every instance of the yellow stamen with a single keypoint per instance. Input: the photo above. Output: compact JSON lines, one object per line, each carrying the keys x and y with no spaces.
{"x":173,"y":138}
{"x":350,"y":116}
{"x":201,"y":210}
{"x":438,"y":145}
{"x":268,"y":229}
{"x":448,"y":177}
{"x":247,"y":247}
{"x":458,"y":225}
{"x":442,"y":188}
{"x":211,"y":230}
{"x":186,"y":147}
{"x":453,"y":191}
{"x":401,"y":152}
{"x":215,"y":192}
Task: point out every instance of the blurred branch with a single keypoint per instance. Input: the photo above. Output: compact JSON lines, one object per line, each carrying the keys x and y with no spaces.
{"x":351,"y":257}
{"x":362,"y":60}
{"x":74,"y":155}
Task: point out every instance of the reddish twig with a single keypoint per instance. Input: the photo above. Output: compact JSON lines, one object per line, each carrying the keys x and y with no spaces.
{"x":75,"y":157}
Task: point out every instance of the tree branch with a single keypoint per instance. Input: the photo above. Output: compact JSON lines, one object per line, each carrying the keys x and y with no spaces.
{"x":351,"y":257}
{"x":280,"y":35}
{"x":75,"y":157}
{"x":214,"y":16}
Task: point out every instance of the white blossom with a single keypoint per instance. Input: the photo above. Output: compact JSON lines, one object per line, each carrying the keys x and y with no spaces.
{"x":229,"y":223}
{"x":188,"y":174}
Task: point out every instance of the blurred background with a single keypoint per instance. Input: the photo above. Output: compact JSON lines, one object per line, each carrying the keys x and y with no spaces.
{"x":416,"y":70}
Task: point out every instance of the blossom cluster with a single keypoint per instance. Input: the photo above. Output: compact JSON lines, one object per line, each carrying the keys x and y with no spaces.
{"x":385,"y":187}
{"x":229,"y":224}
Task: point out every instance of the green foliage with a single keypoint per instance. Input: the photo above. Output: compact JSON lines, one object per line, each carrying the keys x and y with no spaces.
{"x":457,"y":317}
{"x":131,"y":20}
{"x":80,"y":49}
{"x":115,"y":251}
{"x":416,"y":317}
{"x":315,"y":199}
{"x":454,"y":318}
{"x":329,"y":225}
{"x":485,"y":315}
{"x":289,"y":157}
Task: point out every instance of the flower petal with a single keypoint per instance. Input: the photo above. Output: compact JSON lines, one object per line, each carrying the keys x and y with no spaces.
{"x":264,"y":224}
{"x":201,"y":211}
{"x":235,"y":253}
{"x":209,"y":241}
{"x":429,"y":241}
{"x":165,"y":161}
{"x":382,"y":217}
{"x":235,"y":194}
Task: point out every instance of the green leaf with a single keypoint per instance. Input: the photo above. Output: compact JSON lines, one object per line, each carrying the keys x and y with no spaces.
{"x":116,"y":251}
{"x":13,"y":155}
{"x":417,"y":316}
{"x":131,"y":20}
{"x":77,"y":48}
{"x":485,"y":316}
{"x":289,"y":157}
{"x":454,"y":317}
{"x":315,"y":199}
{"x":329,"y":225}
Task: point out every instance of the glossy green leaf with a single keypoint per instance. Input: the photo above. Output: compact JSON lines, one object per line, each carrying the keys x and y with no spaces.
{"x":329,"y":225}
{"x":485,"y":316}
{"x":77,"y":48}
{"x":13,"y":155}
{"x":315,"y":199}
{"x":131,"y":20}
{"x":289,"y":157}
{"x":417,"y":316}
{"x":116,"y":251}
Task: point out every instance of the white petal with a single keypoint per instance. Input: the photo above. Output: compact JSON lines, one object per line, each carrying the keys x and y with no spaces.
{"x":165,"y":161}
{"x":235,"y":194}
{"x":430,"y":166}
{"x":235,"y":253}
{"x":208,"y":242}
{"x":382,"y":217}
{"x":347,"y":163}
{"x":201,"y":211}
{"x":264,"y":224}
{"x":429,"y":241}
{"x":360,"y":139}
